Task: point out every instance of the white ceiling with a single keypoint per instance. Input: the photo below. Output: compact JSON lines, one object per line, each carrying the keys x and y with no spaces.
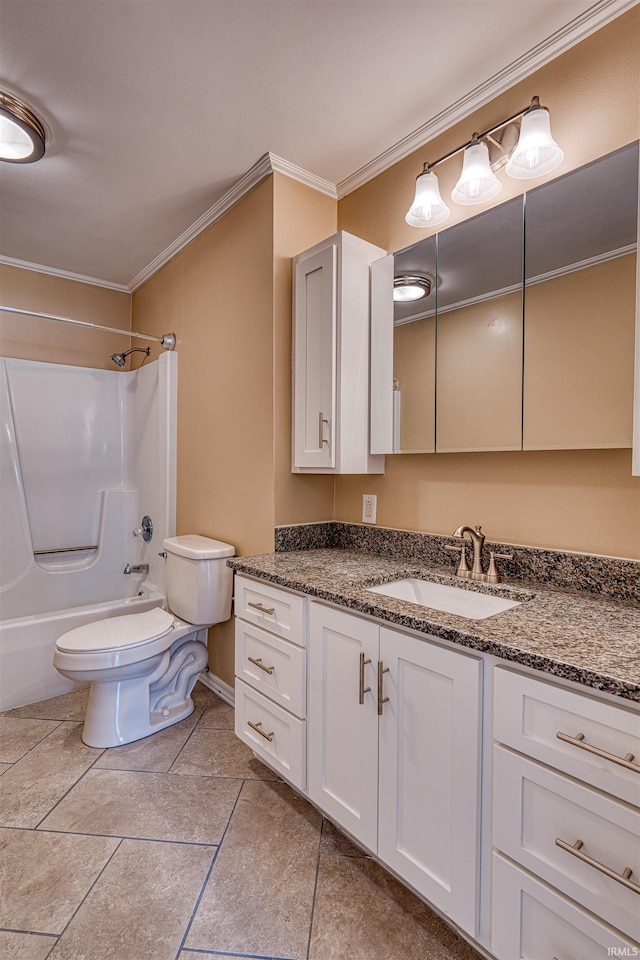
{"x":155,"y":108}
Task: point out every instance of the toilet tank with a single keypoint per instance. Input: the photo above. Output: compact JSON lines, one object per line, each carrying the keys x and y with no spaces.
{"x":199,"y":582}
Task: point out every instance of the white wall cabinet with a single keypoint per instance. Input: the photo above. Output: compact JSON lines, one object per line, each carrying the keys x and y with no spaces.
{"x":394,"y":752}
{"x":331,"y":324}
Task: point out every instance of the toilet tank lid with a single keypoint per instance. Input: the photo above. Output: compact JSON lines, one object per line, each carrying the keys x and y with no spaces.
{"x":198,"y":548}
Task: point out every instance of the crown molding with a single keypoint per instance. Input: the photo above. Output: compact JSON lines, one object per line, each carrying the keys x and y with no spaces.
{"x":267,"y":164}
{"x":568,"y":36}
{"x":64,"y":274}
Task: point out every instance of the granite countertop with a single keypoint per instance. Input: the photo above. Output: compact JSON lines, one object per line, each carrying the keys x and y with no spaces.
{"x":590,"y":640}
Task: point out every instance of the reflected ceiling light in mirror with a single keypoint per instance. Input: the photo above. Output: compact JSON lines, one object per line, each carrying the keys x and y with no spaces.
{"x":478,"y":183}
{"x":535,"y":154}
{"x":428,"y":208}
{"x":22,"y":136}
{"x":410,"y":287}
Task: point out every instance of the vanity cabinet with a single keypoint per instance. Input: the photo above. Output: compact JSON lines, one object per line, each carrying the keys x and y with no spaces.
{"x":331,"y":324}
{"x":271,"y":676}
{"x":566,"y":822}
{"x":394,"y":752}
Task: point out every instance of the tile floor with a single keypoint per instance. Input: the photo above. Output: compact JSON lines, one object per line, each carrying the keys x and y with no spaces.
{"x":180,"y":847}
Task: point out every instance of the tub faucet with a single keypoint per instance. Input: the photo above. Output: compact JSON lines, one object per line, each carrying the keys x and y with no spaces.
{"x":137,"y":568}
{"x":477,"y":538}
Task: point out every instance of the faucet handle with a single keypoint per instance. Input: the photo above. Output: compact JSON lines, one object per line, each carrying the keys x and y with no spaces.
{"x":463,"y":567}
{"x":492,"y":575}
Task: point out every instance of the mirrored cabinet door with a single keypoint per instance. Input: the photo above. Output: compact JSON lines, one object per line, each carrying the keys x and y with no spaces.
{"x":479,"y":332}
{"x":580,"y":274}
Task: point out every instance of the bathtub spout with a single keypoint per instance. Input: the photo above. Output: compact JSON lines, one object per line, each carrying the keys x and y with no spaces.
{"x":137,"y":568}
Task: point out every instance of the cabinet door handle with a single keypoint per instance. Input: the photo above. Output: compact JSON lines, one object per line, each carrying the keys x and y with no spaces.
{"x":578,"y":741}
{"x":363,"y":689}
{"x":381,"y":699}
{"x":576,"y":851}
{"x":260,"y":664}
{"x":256,"y":727}
{"x":321,"y":439}
{"x":258,"y":606}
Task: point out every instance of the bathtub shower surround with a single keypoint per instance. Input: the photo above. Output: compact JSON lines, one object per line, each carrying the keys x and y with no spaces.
{"x":84,"y":455}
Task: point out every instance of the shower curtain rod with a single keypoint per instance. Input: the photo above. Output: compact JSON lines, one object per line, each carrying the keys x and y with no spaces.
{"x":167,"y":341}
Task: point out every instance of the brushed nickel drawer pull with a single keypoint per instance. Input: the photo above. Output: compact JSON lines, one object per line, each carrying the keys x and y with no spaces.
{"x":576,"y":851}
{"x":381,"y":700}
{"x":259,"y":663}
{"x":321,"y":439}
{"x":363,"y":689}
{"x":578,"y":741}
{"x":258,"y":606}
{"x":256,"y":727}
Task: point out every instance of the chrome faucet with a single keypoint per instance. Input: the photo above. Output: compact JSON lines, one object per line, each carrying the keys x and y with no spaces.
{"x":137,"y":568}
{"x":477,"y":538}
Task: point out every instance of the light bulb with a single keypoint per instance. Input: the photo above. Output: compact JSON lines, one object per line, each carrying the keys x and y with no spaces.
{"x":478,"y":183}
{"x":428,"y":208}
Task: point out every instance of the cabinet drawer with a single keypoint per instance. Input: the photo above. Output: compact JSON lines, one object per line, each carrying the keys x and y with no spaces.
{"x":272,"y":666}
{"x":529,"y":714}
{"x":280,"y":738}
{"x":530,"y":921}
{"x":534,"y":806}
{"x":270,"y":607}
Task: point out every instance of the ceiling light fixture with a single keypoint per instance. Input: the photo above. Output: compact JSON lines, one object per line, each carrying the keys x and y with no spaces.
{"x":411,"y":287}
{"x":22,"y":135}
{"x":535,"y":154}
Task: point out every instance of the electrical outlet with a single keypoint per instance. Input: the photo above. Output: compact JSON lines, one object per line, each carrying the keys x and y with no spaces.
{"x":369,"y":507}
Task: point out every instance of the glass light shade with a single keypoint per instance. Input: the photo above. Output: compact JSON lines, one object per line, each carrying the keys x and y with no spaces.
{"x":478,"y":183}
{"x":22,"y":135}
{"x":537,"y":152}
{"x":409,"y":288}
{"x":428,"y":208}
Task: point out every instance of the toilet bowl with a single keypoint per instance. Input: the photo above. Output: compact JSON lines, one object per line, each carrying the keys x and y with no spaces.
{"x":142,"y":667}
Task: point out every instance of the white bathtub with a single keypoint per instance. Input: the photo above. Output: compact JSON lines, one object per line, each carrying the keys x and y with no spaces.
{"x":27,"y":644}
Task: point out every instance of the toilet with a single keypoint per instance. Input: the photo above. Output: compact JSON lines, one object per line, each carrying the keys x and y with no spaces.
{"x":143,"y":666}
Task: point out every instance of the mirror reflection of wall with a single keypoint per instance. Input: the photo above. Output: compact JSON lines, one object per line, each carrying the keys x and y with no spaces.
{"x":580,"y":274}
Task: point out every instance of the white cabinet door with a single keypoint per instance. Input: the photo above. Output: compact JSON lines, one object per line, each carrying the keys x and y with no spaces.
{"x":429,"y":799}
{"x":314,"y":360}
{"x":343,"y":721}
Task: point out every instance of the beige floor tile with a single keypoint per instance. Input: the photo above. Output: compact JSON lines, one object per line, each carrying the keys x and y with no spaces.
{"x":201,"y":697}
{"x":17,"y":736}
{"x":140,"y":906}
{"x":155,"y":753}
{"x":155,"y":806}
{"x":219,"y":753}
{"x":45,"y":877}
{"x":361,"y":913}
{"x":35,"y":784}
{"x":333,"y":843}
{"x":218,"y":714}
{"x":259,"y":897}
{"x":5,"y":766}
{"x":69,"y":706}
{"x":24,"y":946}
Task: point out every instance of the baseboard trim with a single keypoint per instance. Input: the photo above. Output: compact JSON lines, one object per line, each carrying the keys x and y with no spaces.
{"x":219,"y":687}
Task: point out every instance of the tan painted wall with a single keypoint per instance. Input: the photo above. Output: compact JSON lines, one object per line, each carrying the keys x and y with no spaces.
{"x":582,"y":500}
{"x":30,"y":338}
{"x":302,"y":217}
{"x":227,"y":296}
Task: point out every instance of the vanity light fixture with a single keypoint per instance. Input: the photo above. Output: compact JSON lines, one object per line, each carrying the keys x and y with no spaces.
{"x":535,"y":154}
{"x":410,"y":287}
{"x":22,"y":135}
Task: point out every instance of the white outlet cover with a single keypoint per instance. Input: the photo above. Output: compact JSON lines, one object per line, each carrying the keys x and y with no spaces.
{"x":369,"y":507}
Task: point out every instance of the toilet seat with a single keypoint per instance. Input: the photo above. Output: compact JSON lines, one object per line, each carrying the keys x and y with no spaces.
{"x":117,"y":634}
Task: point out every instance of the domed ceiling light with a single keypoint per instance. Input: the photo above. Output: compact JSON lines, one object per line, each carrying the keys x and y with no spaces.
{"x":22,"y":135}
{"x":408,"y":287}
{"x":535,"y":154}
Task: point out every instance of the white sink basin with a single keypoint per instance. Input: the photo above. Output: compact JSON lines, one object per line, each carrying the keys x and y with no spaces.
{"x":438,"y":596}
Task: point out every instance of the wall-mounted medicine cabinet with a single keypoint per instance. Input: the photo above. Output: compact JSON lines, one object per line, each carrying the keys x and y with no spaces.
{"x":526,"y":339}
